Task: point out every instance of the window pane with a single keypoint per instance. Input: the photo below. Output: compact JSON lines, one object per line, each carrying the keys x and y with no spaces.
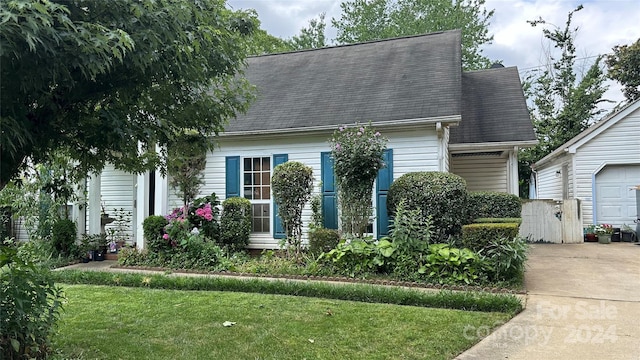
{"x":266,"y":180}
{"x":265,"y":193}
{"x":247,"y":164}
{"x":256,"y":227}
{"x":266,"y":164}
{"x":256,"y":179}
{"x":256,"y":164}
{"x":248,"y":193}
{"x":247,"y":179}
{"x":257,"y":210}
{"x":265,"y":225}
{"x":265,"y":210}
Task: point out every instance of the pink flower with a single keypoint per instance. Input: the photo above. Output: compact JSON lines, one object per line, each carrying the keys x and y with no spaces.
{"x":165,"y":236}
{"x":362,"y":130}
{"x":376,"y":134}
{"x":208,"y":217}
{"x":338,"y":147}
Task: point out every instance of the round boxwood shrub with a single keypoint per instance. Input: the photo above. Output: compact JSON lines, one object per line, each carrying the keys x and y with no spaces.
{"x":153,"y":229}
{"x":323,"y":240}
{"x":63,"y":236}
{"x":443,"y":196}
{"x":235,"y":223}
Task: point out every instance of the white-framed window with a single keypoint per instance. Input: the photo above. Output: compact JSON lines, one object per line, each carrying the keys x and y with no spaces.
{"x":256,"y":183}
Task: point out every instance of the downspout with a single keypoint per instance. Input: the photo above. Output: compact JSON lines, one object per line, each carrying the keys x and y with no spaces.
{"x":440,"y":135}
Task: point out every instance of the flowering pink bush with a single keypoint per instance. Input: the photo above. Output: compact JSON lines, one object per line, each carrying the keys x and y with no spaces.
{"x":205,"y":212}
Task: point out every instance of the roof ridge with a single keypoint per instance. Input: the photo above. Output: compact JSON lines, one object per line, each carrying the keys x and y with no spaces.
{"x":358,"y":43}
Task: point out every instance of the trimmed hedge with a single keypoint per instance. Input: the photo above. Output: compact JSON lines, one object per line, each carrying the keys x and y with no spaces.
{"x":443,"y":196}
{"x":486,"y":204}
{"x":497,"y":220}
{"x":323,"y":240}
{"x":235,"y":223}
{"x":478,"y":236}
{"x":463,"y":300}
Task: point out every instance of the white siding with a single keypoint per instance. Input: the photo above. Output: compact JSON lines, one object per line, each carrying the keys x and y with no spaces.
{"x":118,"y":191}
{"x":619,"y":144}
{"x":482,"y":172}
{"x":413,"y":150}
{"x":550,"y":183}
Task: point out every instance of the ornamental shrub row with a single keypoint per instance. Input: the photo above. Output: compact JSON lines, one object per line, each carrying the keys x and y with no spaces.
{"x":486,"y":204}
{"x":478,"y":236}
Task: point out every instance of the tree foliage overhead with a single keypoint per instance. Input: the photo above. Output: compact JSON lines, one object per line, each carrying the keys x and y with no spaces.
{"x":310,"y":37}
{"x":104,"y":81}
{"x":624,"y":67}
{"x":366,"y":20}
{"x":563,"y":102}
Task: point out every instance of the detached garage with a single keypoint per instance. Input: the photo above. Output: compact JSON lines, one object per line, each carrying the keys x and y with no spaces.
{"x":600,"y":166}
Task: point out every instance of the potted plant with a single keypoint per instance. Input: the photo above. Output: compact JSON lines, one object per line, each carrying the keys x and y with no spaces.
{"x":628,"y":234}
{"x":604,"y":232}
{"x":99,"y":247}
{"x":590,"y":234}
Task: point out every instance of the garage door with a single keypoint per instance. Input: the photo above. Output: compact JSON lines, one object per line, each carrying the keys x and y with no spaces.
{"x":615,"y":202}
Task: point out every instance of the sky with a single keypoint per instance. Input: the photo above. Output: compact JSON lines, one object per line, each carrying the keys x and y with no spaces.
{"x":602,"y":24}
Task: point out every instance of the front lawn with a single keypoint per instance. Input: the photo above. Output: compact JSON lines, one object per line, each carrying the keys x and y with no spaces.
{"x":140,"y":323}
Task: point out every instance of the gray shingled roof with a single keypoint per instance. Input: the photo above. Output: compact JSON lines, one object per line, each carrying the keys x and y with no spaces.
{"x":415,"y":77}
{"x":399,"y":79}
{"x":494,"y":108}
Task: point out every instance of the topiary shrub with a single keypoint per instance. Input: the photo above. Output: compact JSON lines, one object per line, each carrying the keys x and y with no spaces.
{"x":443,"y":196}
{"x":153,"y":230}
{"x":63,"y":236}
{"x":235,"y":223}
{"x":292,"y":183}
{"x":486,"y":204}
{"x":323,"y":240}
{"x":357,"y":154}
{"x":478,"y":236}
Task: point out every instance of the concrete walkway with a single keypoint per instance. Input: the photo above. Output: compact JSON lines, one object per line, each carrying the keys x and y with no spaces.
{"x":583,"y":303}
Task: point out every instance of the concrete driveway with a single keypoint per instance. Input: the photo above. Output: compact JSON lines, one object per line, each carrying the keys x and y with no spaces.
{"x":583,"y":302}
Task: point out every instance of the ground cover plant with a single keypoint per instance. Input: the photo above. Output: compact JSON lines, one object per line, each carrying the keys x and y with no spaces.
{"x":169,"y":324}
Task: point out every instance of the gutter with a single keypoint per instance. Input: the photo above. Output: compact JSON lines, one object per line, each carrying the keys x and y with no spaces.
{"x":490,"y":146}
{"x":451,"y":120}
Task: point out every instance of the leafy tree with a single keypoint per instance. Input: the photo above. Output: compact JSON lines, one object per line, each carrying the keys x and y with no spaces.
{"x":185,"y":164}
{"x":624,"y":67}
{"x":105,"y":81}
{"x":363,"y":20}
{"x":561,"y":104}
{"x":311,"y":37}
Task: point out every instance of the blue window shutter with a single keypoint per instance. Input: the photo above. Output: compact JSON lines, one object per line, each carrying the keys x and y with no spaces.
{"x":383,"y":183}
{"x":278,"y":229}
{"x":232,"y":176}
{"x":329,"y":202}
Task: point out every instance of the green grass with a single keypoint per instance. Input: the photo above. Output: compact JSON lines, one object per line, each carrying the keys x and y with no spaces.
{"x":461,"y":300}
{"x":102,"y":322}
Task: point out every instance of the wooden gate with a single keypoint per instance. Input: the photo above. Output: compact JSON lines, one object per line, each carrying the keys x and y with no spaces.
{"x":555,"y":221}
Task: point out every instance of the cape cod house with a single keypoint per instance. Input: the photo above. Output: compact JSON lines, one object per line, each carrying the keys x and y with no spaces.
{"x":412,"y":89}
